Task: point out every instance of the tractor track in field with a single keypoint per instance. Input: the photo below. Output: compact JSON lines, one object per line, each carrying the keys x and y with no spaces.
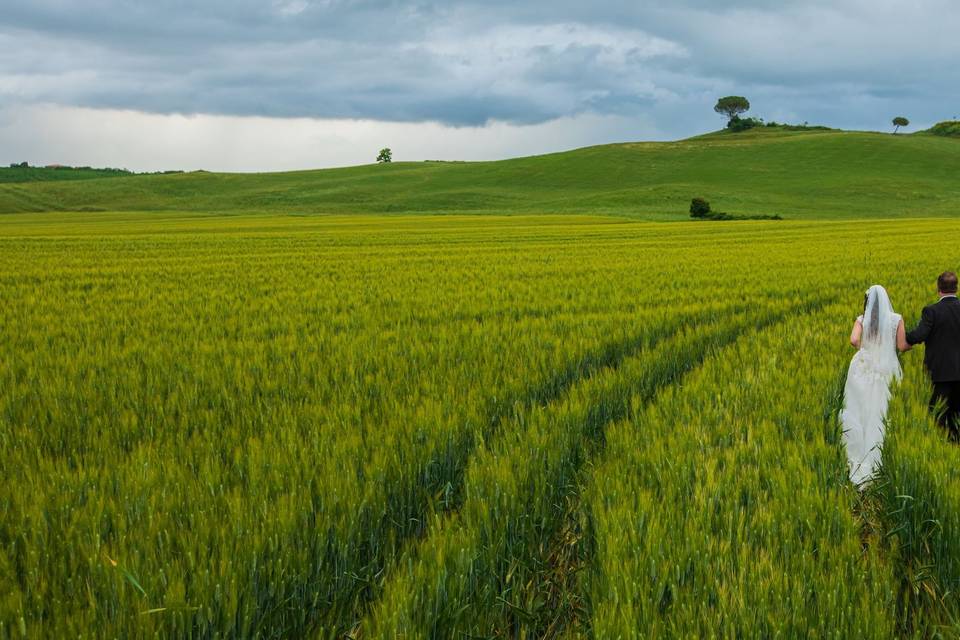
{"x":561,"y":559}
{"x":450,"y":492}
{"x":607,"y":357}
{"x":569,"y":551}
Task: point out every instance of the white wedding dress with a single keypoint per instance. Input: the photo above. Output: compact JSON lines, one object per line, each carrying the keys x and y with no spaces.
{"x":867,"y":392}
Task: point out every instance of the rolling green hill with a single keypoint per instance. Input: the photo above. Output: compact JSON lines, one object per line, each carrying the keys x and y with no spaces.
{"x":808,"y":174}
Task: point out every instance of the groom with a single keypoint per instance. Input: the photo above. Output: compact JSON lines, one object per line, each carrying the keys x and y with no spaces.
{"x":939,"y":328}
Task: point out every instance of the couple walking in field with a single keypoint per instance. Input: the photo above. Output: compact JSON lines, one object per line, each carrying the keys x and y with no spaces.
{"x":878,"y":335}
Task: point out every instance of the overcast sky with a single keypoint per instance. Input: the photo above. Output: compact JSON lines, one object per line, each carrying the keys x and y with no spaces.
{"x":251,"y":85}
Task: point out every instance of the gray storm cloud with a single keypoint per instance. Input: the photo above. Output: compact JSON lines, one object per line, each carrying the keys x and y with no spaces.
{"x":279,"y":84}
{"x":468,"y":63}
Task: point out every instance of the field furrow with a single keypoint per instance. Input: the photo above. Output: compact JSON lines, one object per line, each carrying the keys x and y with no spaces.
{"x":441,"y":490}
{"x":472,"y":574}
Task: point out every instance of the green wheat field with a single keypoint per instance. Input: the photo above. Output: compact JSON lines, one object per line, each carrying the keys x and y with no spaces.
{"x":518,"y":399}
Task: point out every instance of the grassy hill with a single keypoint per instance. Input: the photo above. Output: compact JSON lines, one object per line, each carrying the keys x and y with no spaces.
{"x":806,"y":174}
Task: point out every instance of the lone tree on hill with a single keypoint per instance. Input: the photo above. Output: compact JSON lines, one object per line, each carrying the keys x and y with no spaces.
{"x":699,"y":208}
{"x":732,"y":106}
{"x":900,"y":121}
{"x":385,"y":155}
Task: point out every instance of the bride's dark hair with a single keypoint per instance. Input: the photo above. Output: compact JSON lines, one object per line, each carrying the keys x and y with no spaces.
{"x":874,"y":328}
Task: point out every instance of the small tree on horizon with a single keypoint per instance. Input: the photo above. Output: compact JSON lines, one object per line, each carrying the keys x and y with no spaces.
{"x":732,"y":106}
{"x":385,"y":156}
{"x":900,"y":121}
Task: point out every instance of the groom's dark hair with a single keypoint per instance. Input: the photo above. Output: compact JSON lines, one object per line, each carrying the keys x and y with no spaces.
{"x":947,"y":282}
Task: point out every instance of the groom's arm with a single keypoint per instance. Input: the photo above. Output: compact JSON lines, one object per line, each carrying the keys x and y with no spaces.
{"x":922,"y":332}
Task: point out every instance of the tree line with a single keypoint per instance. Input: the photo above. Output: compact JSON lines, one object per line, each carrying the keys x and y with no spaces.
{"x":733,"y":107}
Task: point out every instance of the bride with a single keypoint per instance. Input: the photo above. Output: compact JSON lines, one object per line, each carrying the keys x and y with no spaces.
{"x":877,"y":334}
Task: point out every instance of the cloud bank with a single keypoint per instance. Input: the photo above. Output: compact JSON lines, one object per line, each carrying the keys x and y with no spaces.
{"x":654,"y":68}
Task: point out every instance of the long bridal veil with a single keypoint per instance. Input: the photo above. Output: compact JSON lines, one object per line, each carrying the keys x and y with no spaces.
{"x":867,"y":391}
{"x":879,"y":338}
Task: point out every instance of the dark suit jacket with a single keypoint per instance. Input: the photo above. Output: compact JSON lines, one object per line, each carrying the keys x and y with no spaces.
{"x":939,"y":328}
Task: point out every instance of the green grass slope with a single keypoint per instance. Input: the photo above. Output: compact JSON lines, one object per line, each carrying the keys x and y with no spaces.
{"x":794,"y":174}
